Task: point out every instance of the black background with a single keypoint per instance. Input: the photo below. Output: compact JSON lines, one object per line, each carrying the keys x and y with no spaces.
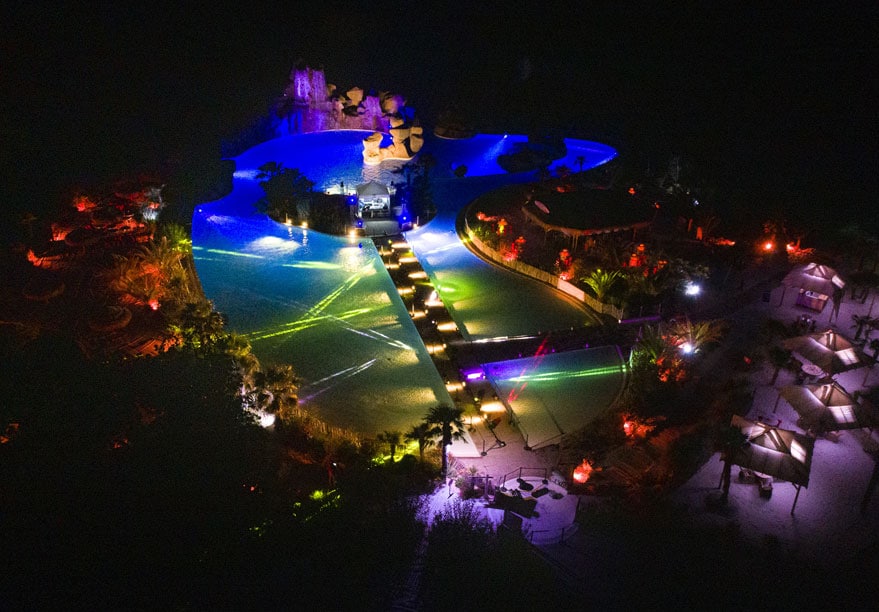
{"x":775,"y":106}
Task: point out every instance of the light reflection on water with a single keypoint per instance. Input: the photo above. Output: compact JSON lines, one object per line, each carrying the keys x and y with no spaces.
{"x":323,"y":303}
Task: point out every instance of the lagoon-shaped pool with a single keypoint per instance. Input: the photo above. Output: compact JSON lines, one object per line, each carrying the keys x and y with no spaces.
{"x":326,"y":304}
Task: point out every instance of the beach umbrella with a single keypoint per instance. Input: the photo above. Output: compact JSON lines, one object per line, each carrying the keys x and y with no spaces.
{"x":828,"y":407}
{"x":829,"y":350}
{"x":780,"y":453}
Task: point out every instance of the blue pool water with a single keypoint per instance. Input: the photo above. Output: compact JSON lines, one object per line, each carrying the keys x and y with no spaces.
{"x":558,"y":393}
{"x":327,"y":305}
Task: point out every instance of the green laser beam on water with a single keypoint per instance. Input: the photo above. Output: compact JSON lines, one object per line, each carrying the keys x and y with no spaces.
{"x":553,"y":376}
{"x":349,"y":283}
{"x":234,"y":253}
{"x":313,"y":265}
{"x":313,"y":315}
{"x":302,"y":324}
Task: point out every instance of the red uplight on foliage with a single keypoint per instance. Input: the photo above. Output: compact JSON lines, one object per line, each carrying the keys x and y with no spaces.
{"x":768,"y":245}
{"x":629,"y":428}
{"x":154,"y":304}
{"x":582,"y":472}
{"x":631,"y":191}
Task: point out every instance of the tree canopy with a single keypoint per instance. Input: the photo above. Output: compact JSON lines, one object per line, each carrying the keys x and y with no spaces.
{"x":287,"y":192}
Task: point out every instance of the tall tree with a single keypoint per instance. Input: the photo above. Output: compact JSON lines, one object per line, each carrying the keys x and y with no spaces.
{"x":731,"y":439}
{"x":287,"y":192}
{"x":199,"y":328}
{"x":779,"y":358}
{"x":448,"y":423}
{"x":862,"y":321}
{"x":393,"y":439}
{"x":420,"y":433}
{"x":276,"y":388}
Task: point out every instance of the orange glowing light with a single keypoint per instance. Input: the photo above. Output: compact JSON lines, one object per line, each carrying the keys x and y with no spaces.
{"x":83,"y":203}
{"x":582,"y":472}
{"x":629,"y":428}
{"x":154,"y":304}
{"x":768,"y":245}
{"x":631,"y":191}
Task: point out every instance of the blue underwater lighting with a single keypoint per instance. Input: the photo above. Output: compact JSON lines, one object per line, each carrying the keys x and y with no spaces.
{"x":326,"y":303}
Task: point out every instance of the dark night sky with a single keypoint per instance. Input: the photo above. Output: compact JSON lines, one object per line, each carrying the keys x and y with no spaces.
{"x":777,"y":105}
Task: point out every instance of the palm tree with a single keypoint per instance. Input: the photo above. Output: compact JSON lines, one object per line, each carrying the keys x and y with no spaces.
{"x":651,"y":344}
{"x":420,"y":433}
{"x":392,"y":439}
{"x":862,"y":321}
{"x":129,"y":275}
{"x":163,"y":255}
{"x":199,"y":327}
{"x":285,"y":189}
{"x":779,"y":358}
{"x":277,"y":388}
{"x":602,"y":281}
{"x":448,"y":423}
{"x":697,"y":334}
{"x":731,"y":438}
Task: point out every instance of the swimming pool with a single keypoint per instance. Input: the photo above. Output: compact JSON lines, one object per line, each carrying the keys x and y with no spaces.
{"x":327,"y":305}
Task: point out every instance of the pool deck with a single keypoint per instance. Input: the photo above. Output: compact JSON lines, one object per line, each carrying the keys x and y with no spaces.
{"x":835,"y":519}
{"x":545,"y":393}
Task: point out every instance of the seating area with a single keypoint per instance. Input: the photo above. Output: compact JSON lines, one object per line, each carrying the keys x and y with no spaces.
{"x":523,"y":494}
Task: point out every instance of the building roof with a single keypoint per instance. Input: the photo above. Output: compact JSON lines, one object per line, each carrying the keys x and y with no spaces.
{"x":372,"y":188}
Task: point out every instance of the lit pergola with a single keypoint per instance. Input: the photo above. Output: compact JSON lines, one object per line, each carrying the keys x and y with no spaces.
{"x":780,"y":453}
{"x":829,"y":350}
{"x":827,"y":407}
{"x":813,"y":277}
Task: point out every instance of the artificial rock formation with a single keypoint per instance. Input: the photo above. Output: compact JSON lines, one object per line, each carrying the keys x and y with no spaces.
{"x":310,"y":104}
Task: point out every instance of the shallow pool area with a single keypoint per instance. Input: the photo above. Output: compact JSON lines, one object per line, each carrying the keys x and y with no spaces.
{"x":327,"y":305}
{"x":556,"y":393}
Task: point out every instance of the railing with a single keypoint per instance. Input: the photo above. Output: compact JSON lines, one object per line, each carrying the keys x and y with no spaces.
{"x":547,"y":536}
{"x":541,"y":275}
{"x":514,"y":420}
{"x":528,"y":471}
